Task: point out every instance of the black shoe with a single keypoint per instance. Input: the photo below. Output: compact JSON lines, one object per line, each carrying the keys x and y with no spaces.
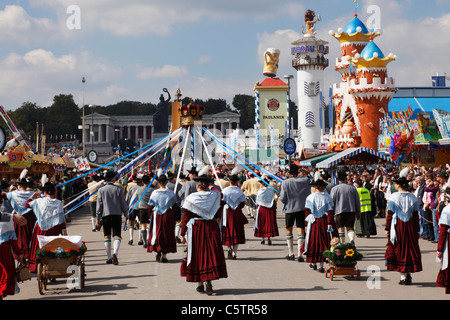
{"x":145,"y":245}
{"x":230,"y":254}
{"x":109,"y":261}
{"x":209,"y":290}
{"x":269,"y":242}
{"x":164,"y":260}
{"x":408,"y":279}
{"x":288,"y":257}
{"x":321,"y":270}
{"x":313,"y":266}
{"x":130,"y":242}
{"x":300,"y":259}
{"x":115,"y":261}
{"x":200,"y":289}
{"x":177,"y":239}
{"x":140,"y":243}
{"x":263,"y":242}
{"x":158,"y":256}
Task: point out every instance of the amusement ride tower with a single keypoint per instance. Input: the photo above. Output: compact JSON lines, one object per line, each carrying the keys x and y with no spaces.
{"x":310,"y":62}
{"x":361,"y":99}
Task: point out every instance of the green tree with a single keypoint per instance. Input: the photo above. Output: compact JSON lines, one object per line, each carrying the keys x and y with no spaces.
{"x":62,"y":117}
{"x":245,"y":105}
{"x":26,"y":116}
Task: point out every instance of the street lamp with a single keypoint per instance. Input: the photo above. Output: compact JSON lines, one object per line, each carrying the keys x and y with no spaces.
{"x":288,"y":77}
{"x":83,"y":80}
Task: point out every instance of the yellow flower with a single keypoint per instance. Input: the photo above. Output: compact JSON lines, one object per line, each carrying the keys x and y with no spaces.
{"x":350,"y":252}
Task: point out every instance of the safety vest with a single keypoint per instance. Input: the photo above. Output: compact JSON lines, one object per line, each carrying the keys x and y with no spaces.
{"x":364,"y":197}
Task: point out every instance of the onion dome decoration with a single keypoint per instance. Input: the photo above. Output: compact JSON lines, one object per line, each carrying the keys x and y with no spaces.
{"x":354,"y":31}
{"x":372,"y":56}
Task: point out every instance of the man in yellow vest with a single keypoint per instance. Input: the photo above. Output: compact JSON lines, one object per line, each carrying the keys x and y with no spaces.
{"x":365,"y":227}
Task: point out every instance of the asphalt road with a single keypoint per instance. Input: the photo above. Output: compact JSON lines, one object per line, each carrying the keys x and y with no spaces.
{"x":260,"y":273}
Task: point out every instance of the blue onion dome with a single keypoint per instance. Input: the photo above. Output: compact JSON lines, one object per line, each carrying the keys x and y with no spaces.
{"x":356,"y":25}
{"x":370,"y":49}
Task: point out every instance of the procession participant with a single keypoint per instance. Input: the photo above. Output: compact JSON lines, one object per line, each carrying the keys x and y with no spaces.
{"x":188,"y":187}
{"x":205,"y":259}
{"x":320,"y":224}
{"x":365,"y":227}
{"x":50,"y":218}
{"x":233,"y":219}
{"x":131,"y":199}
{"x":443,"y":278}
{"x":162,"y":206}
{"x":8,"y":247}
{"x":403,"y":231}
{"x":17,"y":199}
{"x":250,"y":188}
{"x":171,"y":184}
{"x":294,"y":191}
{"x":347,"y":207}
{"x":143,"y":195}
{"x":266,"y":220}
{"x":93,"y":186}
{"x":111,"y":205}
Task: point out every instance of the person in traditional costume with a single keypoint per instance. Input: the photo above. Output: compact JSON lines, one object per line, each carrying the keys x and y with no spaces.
{"x":188,"y":187}
{"x":293,"y":193}
{"x":205,"y":259}
{"x":162,"y":207}
{"x":93,"y":186}
{"x":320,"y":224}
{"x":443,"y":278}
{"x":17,"y":199}
{"x":8,"y":249}
{"x":403,"y":231}
{"x":266,"y":220}
{"x":111,"y":205}
{"x":250,"y":188}
{"x":233,"y":219}
{"x":50,"y":218}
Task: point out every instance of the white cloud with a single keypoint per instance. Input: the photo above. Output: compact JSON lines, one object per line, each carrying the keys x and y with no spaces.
{"x":167,"y":71}
{"x":17,"y":26}
{"x":137,"y":17}
{"x":39,"y":75}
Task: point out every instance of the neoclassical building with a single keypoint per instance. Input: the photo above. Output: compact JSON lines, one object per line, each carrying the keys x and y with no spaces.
{"x":139,"y":128}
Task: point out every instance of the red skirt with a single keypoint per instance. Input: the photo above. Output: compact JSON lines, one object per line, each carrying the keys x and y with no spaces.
{"x":404,"y":256}
{"x":24,"y":233}
{"x":165,"y":241}
{"x":443,"y":278}
{"x":319,"y":240}
{"x":34,"y":245}
{"x":267,"y":223}
{"x":234,"y":233}
{"x":207,"y":257}
{"x":7,"y":270}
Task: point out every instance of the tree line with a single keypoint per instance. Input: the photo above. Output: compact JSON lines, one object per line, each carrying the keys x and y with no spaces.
{"x":61,"y":119}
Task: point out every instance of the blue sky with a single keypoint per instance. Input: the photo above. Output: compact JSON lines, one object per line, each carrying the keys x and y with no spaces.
{"x":131,"y":50}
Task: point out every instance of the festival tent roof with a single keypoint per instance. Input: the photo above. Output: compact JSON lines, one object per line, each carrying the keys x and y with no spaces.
{"x":349,"y":153}
{"x":313,"y":160}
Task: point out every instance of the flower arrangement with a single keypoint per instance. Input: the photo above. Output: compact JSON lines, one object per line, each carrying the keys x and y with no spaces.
{"x":343,"y":255}
{"x":61,"y":253}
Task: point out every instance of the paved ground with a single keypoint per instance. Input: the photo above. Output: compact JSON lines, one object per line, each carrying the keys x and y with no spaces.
{"x":260,"y":273}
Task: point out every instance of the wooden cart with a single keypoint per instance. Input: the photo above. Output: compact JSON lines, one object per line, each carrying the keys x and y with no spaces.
{"x":51,"y":266}
{"x":347,"y":271}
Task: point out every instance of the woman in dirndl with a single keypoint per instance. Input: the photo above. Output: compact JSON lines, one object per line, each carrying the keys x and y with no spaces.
{"x":8,"y":248}
{"x":443,"y":278}
{"x":266,"y":215}
{"x":233,"y":219}
{"x":50,"y":217}
{"x":17,"y":199}
{"x":320,"y":224}
{"x":205,"y":259}
{"x":162,"y":207}
{"x":402,"y":230}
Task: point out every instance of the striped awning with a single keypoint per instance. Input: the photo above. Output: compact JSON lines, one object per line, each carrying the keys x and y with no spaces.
{"x":348,"y":153}
{"x":313,"y":160}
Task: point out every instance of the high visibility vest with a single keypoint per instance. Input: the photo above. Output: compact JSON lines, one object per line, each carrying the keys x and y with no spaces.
{"x":364,"y":197}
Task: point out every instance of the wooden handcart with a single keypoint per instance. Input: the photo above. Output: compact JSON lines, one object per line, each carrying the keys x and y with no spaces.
{"x":346,"y":271}
{"x":56,"y":261}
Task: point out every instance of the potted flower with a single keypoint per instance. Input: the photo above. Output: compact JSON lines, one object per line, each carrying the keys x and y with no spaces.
{"x":343,"y":255}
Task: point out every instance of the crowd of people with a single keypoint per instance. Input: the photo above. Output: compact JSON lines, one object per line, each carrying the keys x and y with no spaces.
{"x":207,"y":210}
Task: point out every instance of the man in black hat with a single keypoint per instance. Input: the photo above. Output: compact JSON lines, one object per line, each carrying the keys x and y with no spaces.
{"x":293,"y":194}
{"x":347,"y":207}
{"x":111,"y":205}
